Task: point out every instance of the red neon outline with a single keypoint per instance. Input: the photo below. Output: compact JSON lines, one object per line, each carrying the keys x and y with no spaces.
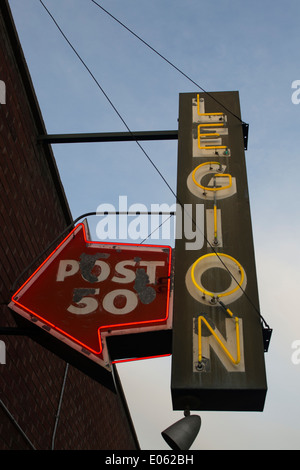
{"x":140,"y":358}
{"x":101,"y":327}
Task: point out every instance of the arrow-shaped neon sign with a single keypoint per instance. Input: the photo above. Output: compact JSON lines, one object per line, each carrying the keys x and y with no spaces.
{"x":87,"y":290}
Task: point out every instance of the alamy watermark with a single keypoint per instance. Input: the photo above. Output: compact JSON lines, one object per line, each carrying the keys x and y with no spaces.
{"x":2,"y":92}
{"x":160,"y":221}
{"x":2,"y":352}
{"x":295,"y":358}
{"x":296,"y":94}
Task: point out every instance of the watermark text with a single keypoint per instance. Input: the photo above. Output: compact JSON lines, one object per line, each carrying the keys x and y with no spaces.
{"x":162,"y":221}
{"x":296,"y":94}
{"x":295,"y":358}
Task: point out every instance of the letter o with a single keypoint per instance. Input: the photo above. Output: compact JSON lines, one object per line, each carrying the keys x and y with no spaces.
{"x":213,"y":260}
{"x":131,"y":302}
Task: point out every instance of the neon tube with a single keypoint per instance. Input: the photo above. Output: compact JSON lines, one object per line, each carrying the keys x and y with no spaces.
{"x":207,"y":188}
{"x":206,"y":114}
{"x":228,"y":354}
{"x":211,"y":294}
{"x":215,"y":134}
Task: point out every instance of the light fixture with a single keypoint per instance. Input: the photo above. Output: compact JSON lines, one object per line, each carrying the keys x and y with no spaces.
{"x":181,"y":435}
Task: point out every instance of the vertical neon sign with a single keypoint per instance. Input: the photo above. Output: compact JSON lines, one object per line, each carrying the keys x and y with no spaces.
{"x":218,"y":354}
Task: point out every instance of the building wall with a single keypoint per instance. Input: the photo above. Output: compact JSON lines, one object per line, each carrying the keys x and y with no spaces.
{"x":33,"y":212}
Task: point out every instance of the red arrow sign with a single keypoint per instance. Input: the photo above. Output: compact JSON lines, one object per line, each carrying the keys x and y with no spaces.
{"x":86,"y":290}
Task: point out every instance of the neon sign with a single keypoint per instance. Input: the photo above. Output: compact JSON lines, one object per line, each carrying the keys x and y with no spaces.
{"x":86,"y":291}
{"x":214,"y":324}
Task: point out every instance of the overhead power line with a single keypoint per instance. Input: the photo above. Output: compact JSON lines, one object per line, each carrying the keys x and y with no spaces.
{"x":166,"y":60}
{"x":107,"y":97}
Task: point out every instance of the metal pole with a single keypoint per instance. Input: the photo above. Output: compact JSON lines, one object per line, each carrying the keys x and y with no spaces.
{"x":108,"y":137}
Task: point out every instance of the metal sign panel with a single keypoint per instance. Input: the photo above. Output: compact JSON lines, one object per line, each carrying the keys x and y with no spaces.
{"x":218,"y":353}
{"x":86,"y":291}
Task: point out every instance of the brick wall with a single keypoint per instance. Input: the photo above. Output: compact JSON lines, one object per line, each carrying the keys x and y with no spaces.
{"x":33,"y":211}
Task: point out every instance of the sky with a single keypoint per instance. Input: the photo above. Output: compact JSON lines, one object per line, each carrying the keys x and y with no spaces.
{"x":225,"y":45}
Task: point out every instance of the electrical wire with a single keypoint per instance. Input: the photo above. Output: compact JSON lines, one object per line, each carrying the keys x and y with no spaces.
{"x":157,"y":228}
{"x":107,"y":97}
{"x":166,"y":60}
{"x":17,"y":425}
{"x":59,"y":406}
{"x":145,"y":153}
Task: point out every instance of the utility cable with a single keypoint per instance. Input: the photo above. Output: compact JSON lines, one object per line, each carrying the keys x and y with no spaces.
{"x":157,"y":228}
{"x":59,"y":406}
{"x":106,"y":96}
{"x":17,"y":425}
{"x":148,"y":157}
{"x":166,"y":60}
